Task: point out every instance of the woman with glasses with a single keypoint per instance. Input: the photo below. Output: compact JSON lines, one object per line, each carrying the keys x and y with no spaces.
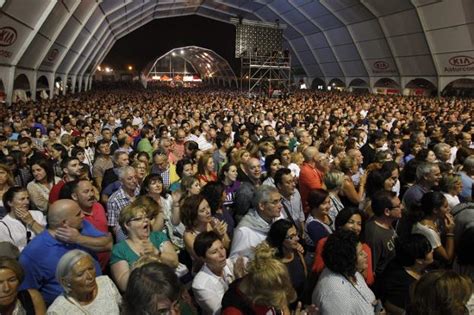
{"x":140,"y":241}
{"x":283,"y":236}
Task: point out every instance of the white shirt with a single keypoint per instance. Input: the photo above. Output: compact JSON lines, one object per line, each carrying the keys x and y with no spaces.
{"x":107,"y":301}
{"x":137,"y":121}
{"x":335,"y":295}
{"x":14,"y":231}
{"x":295,"y":169}
{"x":203,"y":144}
{"x":453,"y":201}
{"x":209,"y":288}
{"x":244,"y":241}
{"x":431,"y":235}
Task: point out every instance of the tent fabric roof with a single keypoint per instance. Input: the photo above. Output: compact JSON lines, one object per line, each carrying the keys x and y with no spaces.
{"x":327,"y":38}
{"x":205,"y":61}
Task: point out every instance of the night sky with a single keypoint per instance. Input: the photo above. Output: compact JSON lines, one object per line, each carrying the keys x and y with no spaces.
{"x":160,"y":36}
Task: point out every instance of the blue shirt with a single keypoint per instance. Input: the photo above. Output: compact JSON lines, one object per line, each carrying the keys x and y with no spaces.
{"x":41,"y":256}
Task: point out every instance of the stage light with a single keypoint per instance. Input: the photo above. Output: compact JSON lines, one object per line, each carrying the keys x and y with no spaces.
{"x":130,"y":68}
{"x":182,"y":52}
{"x":173,"y":54}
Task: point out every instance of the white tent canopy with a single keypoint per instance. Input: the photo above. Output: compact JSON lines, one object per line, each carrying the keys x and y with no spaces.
{"x":207,"y":63}
{"x":345,"y":39}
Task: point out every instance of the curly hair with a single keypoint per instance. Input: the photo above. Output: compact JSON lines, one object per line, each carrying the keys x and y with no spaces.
{"x":340,"y":252}
{"x":149,"y":179}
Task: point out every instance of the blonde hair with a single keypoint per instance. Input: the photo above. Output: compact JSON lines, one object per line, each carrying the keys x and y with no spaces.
{"x":265,"y":146}
{"x":333,"y":180}
{"x":347,"y":163}
{"x":297,"y":158}
{"x":128,"y":213}
{"x":268,"y":281}
{"x":145,"y":259}
{"x":237,"y":156}
{"x":151,"y":207}
{"x":448,"y":182}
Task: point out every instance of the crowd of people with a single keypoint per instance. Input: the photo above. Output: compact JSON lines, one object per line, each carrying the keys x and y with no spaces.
{"x":205,"y":201}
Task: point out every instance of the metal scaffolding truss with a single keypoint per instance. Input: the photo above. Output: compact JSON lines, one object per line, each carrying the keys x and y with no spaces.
{"x":265,"y":73}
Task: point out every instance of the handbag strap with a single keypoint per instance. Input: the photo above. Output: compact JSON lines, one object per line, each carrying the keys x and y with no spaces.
{"x":9,"y":232}
{"x":288,"y":214}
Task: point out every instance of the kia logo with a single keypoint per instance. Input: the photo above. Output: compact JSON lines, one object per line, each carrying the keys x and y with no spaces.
{"x":53,"y":54}
{"x":7,"y":36}
{"x":461,"y":61}
{"x":381,"y":65}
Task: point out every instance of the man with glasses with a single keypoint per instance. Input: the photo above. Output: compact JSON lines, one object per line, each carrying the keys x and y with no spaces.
{"x":254,"y":226}
{"x":379,"y":232}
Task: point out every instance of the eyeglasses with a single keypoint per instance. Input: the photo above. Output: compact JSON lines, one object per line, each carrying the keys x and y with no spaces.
{"x":139,"y":219}
{"x":275,"y":202}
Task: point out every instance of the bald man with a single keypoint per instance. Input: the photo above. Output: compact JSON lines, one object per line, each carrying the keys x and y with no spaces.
{"x":312,"y":172}
{"x":66,"y":230}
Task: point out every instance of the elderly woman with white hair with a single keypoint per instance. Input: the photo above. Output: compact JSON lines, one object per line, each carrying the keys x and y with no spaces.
{"x":83,"y":292}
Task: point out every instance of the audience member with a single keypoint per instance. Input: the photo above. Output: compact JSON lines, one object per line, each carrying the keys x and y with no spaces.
{"x":83,"y":292}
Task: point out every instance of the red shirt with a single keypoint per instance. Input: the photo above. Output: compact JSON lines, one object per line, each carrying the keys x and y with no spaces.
{"x":98,"y":219}
{"x":310,"y":178}
{"x":54,"y":193}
